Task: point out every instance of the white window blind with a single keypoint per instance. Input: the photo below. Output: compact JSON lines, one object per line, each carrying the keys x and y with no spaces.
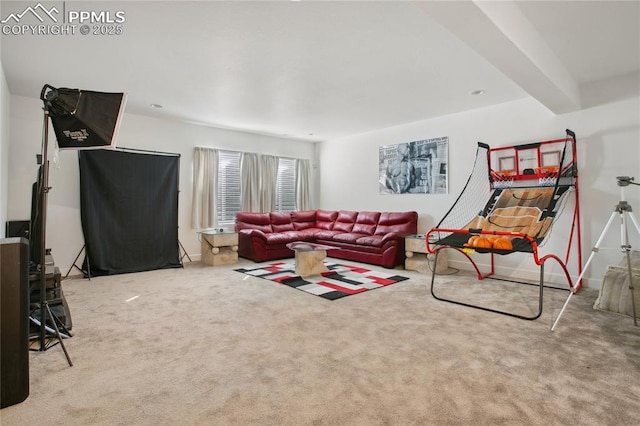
{"x":228,"y":190}
{"x":228,"y":193}
{"x":286,"y":185}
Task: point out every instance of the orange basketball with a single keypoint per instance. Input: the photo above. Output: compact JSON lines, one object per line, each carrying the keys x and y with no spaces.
{"x":471,"y":241}
{"x":482,"y":242}
{"x":503,"y":244}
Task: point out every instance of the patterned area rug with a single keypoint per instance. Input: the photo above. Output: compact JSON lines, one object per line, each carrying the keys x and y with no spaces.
{"x":341,"y":280}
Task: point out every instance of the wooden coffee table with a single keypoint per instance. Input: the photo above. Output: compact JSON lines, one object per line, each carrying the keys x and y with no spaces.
{"x":309,"y":257}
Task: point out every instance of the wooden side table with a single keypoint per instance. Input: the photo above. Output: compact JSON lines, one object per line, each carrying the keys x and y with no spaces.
{"x":418,"y":259}
{"x":219,"y":247}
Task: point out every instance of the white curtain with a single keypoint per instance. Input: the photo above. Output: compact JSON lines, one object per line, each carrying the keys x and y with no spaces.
{"x":303,"y":179}
{"x":269,"y":182}
{"x":205,"y":180}
{"x":250,"y":182}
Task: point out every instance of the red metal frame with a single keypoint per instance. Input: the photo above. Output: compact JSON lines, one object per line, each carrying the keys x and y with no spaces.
{"x":539,"y":261}
{"x":539,"y":173}
{"x":534,"y":247}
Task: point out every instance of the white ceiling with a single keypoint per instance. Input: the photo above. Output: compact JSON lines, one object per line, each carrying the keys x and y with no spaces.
{"x":317,"y":70}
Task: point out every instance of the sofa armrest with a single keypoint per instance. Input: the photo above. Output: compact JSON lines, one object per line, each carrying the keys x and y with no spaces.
{"x":389,"y":236}
{"x":253,"y":233}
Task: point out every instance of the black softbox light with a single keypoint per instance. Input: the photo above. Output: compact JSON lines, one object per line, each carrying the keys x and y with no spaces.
{"x":84,"y":119}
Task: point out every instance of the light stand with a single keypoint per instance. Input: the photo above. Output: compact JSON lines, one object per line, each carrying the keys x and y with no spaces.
{"x":81,"y":119}
{"x":624,"y":211}
{"x":45,"y":309}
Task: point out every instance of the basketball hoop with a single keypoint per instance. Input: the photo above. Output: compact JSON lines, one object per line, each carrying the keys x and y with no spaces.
{"x":549,"y":180}
{"x":503,"y":179}
{"x":547,"y":176}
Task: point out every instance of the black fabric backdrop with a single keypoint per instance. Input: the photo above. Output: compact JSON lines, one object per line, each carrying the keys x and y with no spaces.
{"x":129,"y":211}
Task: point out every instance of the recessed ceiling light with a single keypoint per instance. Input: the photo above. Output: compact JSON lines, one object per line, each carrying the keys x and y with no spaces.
{"x":158,"y":106}
{"x":477,"y":92}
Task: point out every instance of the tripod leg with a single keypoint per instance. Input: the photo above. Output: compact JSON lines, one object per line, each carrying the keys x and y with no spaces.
{"x":561,"y":311}
{"x":184,"y":252}
{"x":57,"y":332}
{"x":633,"y":302}
{"x":635,"y":221}
{"x":74,"y":263}
{"x":624,"y":231}
{"x":594,"y":250}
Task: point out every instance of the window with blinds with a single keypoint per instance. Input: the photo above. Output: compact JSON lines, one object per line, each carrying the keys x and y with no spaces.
{"x":228,"y":191}
{"x":286,"y":185}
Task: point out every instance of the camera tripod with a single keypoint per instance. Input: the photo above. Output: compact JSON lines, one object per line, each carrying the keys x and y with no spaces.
{"x":624,"y":211}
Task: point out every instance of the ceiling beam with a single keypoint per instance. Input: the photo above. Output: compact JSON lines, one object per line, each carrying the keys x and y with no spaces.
{"x":502,"y":34}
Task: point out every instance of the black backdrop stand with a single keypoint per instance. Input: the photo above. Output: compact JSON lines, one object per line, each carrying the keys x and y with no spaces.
{"x":43,"y":191}
{"x":87,"y":274}
{"x":92,"y":168}
{"x":74,"y":265}
{"x":184,"y":253}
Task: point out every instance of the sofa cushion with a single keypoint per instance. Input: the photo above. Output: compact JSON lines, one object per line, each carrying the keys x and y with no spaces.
{"x":251,"y":220}
{"x":281,"y":222}
{"x":325,"y":234}
{"x":366,"y":223}
{"x":371,"y":240}
{"x":398,"y":222}
{"x":352,"y":248}
{"x":345,"y":221}
{"x":308,"y":234}
{"x":349,"y":237}
{"x":303,"y":219}
{"x":282,"y":237}
{"x":325,"y":219}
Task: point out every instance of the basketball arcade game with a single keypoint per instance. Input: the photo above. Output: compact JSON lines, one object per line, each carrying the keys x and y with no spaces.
{"x":509,"y":205}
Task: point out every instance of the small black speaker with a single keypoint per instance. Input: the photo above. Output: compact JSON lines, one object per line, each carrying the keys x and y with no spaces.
{"x":17,"y":228}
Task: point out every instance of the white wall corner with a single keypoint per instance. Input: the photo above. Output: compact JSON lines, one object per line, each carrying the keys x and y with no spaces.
{"x":501,"y":33}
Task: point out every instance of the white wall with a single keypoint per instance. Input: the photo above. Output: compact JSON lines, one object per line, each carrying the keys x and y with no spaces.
{"x":347,"y":168}
{"x":608,"y":146}
{"x":64,"y":231}
{"x":4,"y":149}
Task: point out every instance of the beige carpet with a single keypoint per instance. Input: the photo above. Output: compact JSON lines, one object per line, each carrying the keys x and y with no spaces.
{"x":204,"y":345}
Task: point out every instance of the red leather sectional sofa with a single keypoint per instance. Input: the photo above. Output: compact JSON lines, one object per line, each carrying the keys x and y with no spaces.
{"x":370,"y":237}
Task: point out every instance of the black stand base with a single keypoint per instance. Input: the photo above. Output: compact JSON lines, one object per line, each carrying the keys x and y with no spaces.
{"x":184,"y":253}
{"x":50,"y":334}
{"x":77,"y":267}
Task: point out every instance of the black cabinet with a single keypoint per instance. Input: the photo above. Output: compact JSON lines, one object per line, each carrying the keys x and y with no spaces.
{"x":14,"y":320}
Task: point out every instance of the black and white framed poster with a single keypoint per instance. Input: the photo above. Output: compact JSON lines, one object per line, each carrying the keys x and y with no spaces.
{"x":418,"y":167}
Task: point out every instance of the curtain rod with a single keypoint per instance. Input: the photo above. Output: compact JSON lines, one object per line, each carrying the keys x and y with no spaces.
{"x":146,"y":151}
{"x":249,"y":152}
